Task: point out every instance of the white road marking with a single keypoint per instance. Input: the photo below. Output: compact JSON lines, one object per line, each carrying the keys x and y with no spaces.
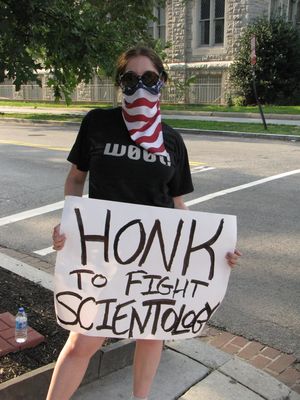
{"x":210,"y":196}
{"x":201,"y":169}
{"x":49,"y":250}
{"x":31,"y":213}
{"x":44,"y":252}
{"x":59,"y":205}
{"x":27,"y":271}
{"x":240,"y":187}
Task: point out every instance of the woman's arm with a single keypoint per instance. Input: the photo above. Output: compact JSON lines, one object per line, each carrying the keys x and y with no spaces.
{"x":179,"y":203}
{"x":75,"y":182}
{"x":73,"y":187}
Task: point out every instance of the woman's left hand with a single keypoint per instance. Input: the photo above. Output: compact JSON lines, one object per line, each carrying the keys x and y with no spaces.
{"x":232,"y":258}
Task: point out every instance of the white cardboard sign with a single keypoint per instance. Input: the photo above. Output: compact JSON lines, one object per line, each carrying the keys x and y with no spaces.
{"x":133,"y":271}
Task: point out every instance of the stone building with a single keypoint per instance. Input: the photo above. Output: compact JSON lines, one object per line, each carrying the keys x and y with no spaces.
{"x":204,"y":38}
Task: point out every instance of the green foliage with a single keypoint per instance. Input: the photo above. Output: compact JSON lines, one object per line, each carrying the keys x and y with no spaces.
{"x":72,"y":39}
{"x":278,"y":63}
{"x":238,"y":101}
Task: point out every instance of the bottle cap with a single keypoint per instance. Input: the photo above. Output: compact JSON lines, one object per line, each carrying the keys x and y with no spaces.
{"x":21,"y":309}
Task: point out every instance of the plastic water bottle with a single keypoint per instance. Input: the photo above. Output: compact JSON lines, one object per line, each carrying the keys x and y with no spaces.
{"x":21,"y":326}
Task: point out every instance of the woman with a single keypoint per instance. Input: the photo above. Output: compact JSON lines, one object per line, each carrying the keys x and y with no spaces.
{"x":132,"y":157}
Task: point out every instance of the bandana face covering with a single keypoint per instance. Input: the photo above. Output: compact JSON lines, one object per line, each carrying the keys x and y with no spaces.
{"x":142,"y":117}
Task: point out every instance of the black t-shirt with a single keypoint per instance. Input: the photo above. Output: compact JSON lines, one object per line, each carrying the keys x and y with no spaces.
{"x":122,"y":171}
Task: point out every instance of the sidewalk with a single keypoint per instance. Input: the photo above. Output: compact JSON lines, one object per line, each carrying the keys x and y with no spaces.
{"x":277,"y":119}
{"x":193,"y":370}
{"x":218,"y":365}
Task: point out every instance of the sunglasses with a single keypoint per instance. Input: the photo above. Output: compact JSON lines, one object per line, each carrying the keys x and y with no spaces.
{"x":131,"y":80}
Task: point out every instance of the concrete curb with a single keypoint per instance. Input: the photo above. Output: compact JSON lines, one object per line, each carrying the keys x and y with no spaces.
{"x":238,"y":134}
{"x":34,"y":384}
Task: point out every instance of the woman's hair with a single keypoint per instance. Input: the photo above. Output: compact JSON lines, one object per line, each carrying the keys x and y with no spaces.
{"x":135,"y":52}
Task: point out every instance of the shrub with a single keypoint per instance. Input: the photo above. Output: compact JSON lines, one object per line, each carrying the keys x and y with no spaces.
{"x":239,"y":101}
{"x":278,"y":63}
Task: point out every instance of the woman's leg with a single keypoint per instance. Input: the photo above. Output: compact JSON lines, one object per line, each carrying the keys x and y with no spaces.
{"x":146,"y":361}
{"x":72,"y":364}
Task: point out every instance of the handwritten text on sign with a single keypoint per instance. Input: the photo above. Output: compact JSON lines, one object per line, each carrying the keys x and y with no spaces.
{"x":138,"y":271}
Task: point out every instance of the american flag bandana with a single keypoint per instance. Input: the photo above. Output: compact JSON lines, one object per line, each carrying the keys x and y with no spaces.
{"x":142,"y":117}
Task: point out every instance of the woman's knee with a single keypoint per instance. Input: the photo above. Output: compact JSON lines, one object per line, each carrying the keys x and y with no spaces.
{"x":82,"y":346}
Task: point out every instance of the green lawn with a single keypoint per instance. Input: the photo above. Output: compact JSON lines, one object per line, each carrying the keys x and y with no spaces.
{"x":235,"y":126}
{"x":206,"y":125}
{"x":44,"y":104}
{"x":249,"y":109}
{"x":192,"y":107}
{"x":44,"y":117}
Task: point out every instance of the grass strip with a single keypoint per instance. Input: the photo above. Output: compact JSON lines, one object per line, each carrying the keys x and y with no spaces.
{"x":234,"y":126}
{"x":44,"y":117}
{"x":268,"y":109}
{"x":45,"y":104}
{"x":176,"y":123}
{"x":293,"y":110}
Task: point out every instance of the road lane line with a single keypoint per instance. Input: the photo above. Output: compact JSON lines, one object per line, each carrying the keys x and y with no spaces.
{"x":59,"y":205}
{"x":44,"y":252}
{"x":49,"y":250}
{"x":210,"y":196}
{"x":201,"y":169}
{"x":240,"y":187}
{"x":27,"y":271}
{"x":31,"y":213}
{"x":46,"y":280}
{"x":196,"y":163}
{"x":40,"y":146}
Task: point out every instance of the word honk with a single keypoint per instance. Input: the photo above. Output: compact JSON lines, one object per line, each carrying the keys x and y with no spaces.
{"x":133,"y":271}
{"x":145,"y":243}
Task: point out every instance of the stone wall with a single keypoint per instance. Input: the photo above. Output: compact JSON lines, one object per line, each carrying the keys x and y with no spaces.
{"x":240,"y":14}
{"x":181,"y":28}
{"x":181,"y":20}
{"x":176,"y":29}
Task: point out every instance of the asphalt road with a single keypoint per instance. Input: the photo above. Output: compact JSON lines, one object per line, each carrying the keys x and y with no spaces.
{"x":263,"y":298}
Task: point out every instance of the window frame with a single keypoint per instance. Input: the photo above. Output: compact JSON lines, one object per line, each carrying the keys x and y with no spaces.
{"x":156,"y":26}
{"x":212,"y":25}
{"x":212,"y":47}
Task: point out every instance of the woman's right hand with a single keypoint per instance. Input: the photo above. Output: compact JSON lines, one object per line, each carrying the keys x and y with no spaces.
{"x":58,"y":238}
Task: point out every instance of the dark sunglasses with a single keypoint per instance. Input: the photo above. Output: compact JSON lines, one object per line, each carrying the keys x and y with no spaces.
{"x":131,"y":80}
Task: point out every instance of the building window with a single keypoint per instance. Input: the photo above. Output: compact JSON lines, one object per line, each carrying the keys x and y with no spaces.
{"x":298,"y":16}
{"x":293,"y":6}
{"x":275,"y":9}
{"x":280,"y":9}
{"x":157,"y":28}
{"x":212,"y":13}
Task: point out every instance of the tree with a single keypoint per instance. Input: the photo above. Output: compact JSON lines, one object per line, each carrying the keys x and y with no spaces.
{"x":278,"y":63}
{"x":71,"y":39}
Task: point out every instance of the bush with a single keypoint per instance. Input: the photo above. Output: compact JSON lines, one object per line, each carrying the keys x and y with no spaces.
{"x":278,"y":63}
{"x":239,"y":101}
